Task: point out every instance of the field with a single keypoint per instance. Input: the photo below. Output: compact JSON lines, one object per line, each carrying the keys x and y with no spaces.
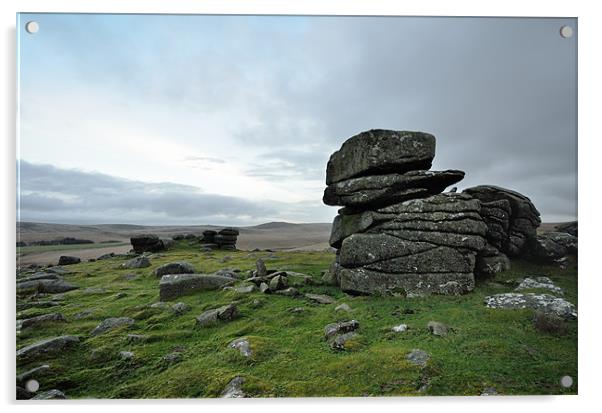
{"x":487,"y":348}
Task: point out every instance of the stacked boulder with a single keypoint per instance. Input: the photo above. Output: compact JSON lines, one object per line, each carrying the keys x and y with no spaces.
{"x":397,"y":231}
{"x":150,"y":243}
{"x":225,"y":239}
{"x":512,"y":222}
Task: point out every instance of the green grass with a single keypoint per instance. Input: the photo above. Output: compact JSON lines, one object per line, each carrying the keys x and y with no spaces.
{"x":487,"y":347}
{"x":66,"y":247}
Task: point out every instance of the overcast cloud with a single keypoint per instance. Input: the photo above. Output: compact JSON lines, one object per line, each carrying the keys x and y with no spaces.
{"x":231,"y":120}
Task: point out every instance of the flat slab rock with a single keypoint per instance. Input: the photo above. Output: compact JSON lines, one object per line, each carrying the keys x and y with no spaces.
{"x":176,"y":285}
{"x":320,"y":298}
{"x":46,"y":347}
{"x":111,"y":324}
{"x":540,"y":283}
{"x":178,"y":267}
{"x":543,"y":302}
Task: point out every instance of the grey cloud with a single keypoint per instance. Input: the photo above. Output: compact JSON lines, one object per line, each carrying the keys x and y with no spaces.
{"x":52,"y":194}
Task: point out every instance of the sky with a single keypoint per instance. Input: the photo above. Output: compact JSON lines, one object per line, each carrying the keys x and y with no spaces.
{"x":230,"y":120}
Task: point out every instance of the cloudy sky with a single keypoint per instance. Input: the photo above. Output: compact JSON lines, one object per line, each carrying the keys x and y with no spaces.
{"x":230,"y":120}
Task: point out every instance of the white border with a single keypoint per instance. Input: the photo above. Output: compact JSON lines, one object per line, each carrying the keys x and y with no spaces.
{"x":590,"y":68}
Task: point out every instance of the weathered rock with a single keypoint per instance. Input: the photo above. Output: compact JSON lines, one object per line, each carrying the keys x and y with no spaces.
{"x":331,"y":277}
{"x":180,"y":308}
{"x":342,"y":307}
{"x":234,"y":389}
{"x":437,"y":329}
{"x":418,"y":357}
{"x":212,"y":317}
{"x":552,"y":246}
{"x":138,"y":262}
{"x":149,"y":243}
{"x":69,"y":260}
{"x":173,"y":357}
{"x":492,"y":265}
{"x":542,"y":302}
{"x":136,"y":338}
{"x":539,"y":283}
{"x":176,"y":285}
{"x":179,"y":267}
{"x":400,"y":328}
{"x":41,"y":320}
{"x":264,"y":288}
{"x":243,"y":346}
{"x":569,"y":228}
{"x":289,"y":292}
{"x":261,"y":269}
{"x":49,"y":395}
{"x":320,"y":298}
{"x":126,"y":355}
{"x":343,"y":341}
{"x":35,"y":373}
{"x":278,"y":282}
{"x":111,"y":324}
{"x":46,"y":347}
{"x":334,"y":329}
{"x":44,"y":286}
{"x":381,"y":151}
{"x":40,"y":276}
{"x":208,"y":236}
{"x":245,"y":289}
{"x":524,"y":217}
{"x":37,"y":304}
{"x":106,"y":256}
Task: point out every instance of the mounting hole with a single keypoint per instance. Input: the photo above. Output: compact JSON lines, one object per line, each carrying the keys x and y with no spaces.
{"x":32,"y":386}
{"x":566,"y":381}
{"x":566,"y":31}
{"x":32,"y":27}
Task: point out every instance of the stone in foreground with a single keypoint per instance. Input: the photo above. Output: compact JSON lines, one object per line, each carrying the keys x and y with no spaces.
{"x":176,"y":285}
{"x":212,"y":317}
{"x":46,"y":347}
{"x":243,"y":346}
{"x":542,"y":302}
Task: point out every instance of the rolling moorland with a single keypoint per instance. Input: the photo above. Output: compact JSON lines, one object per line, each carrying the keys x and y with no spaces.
{"x":165,"y":352}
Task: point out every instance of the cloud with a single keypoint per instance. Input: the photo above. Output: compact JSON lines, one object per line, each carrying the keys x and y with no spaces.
{"x":50,"y":194}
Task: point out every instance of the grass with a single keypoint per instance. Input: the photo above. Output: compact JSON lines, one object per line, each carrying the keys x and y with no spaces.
{"x":487,"y":348}
{"x":66,"y":247}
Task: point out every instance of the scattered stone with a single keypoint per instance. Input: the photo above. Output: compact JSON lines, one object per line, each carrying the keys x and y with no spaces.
{"x":68,"y":260}
{"x":289,"y":292}
{"x":44,"y":286}
{"x":245,"y":289}
{"x":334,"y":329}
{"x":539,"y":282}
{"x":176,"y":285}
{"x":126,"y":355}
{"x":129,"y":277}
{"x":91,"y":290}
{"x":138,"y":262}
{"x":111,"y":324}
{"x":343,"y":341}
{"x":489,"y":391}
{"x":121,"y":295}
{"x":437,"y":329}
{"x":297,"y":310}
{"x":543,"y":302}
{"x":150,"y":243}
{"x":320,"y":298}
{"x":106,"y":256}
{"x":342,"y":307}
{"x":418,"y":357}
{"x":278,"y":282}
{"x":37,"y":304}
{"x":549,"y":323}
{"x":264,"y":288}
{"x":242,"y":345}
{"x":173,"y":357}
{"x":41,"y":276}
{"x":228,"y":273}
{"x":234,"y":389}
{"x":49,"y":395}
{"x":179,"y":267}
{"x":212,"y":317}
{"x":400,"y":328}
{"x":46,"y":347}
{"x":41,"y":320}
{"x":261,"y":269}
{"x":84,"y":314}
{"x":180,"y":308}
{"x":160,"y":305}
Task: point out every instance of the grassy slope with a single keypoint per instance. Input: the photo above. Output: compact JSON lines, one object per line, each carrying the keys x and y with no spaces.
{"x":487,"y":348}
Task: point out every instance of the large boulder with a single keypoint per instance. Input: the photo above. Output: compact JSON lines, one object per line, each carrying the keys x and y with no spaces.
{"x":150,"y":243}
{"x":178,"y":267}
{"x":176,"y":285}
{"x":379,"y":151}
{"x":69,"y":260}
{"x":523,"y":220}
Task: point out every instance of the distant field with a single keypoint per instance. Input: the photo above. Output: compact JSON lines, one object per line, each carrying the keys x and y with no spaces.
{"x":44,"y":248}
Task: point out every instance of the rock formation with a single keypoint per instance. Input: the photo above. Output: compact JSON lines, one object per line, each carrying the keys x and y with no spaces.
{"x":397,"y":232}
{"x":225,"y":239}
{"x":150,"y":243}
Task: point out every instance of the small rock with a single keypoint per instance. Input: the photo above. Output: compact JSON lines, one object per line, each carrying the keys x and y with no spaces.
{"x":126,"y":355}
{"x":261,"y":269}
{"x":173,"y":357}
{"x":297,"y":310}
{"x":111,"y":324}
{"x":264,"y":288}
{"x":279,"y":282}
{"x":234,"y":389}
{"x":136,"y":338}
{"x":84,"y":314}
{"x":46,"y":347}
{"x":178,"y":267}
{"x":437,"y":329}
{"x":418,"y":357}
{"x":245,"y":289}
{"x":543,"y":302}
{"x":160,"y":305}
{"x":400,"y":328}
{"x":489,"y":391}
{"x":138,"y":262}
{"x":34,"y":373}
{"x":49,"y":395}
{"x":68,"y":260}
{"x":121,"y":295}
{"x":539,"y":282}
{"x":290,"y":292}
{"x":91,"y":291}
{"x":342,"y":307}
{"x":341,"y":342}
{"x":180,"y":308}
{"x":320,"y":298}
{"x":339,"y":328}
{"x":211,"y":317}
{"x":41,"y":319}
{"x":242,"y":345}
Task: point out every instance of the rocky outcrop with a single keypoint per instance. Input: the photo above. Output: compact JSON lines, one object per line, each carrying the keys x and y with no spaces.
{"x":551,"y":247}
{"x":150,"y":243}
{"x":397,"y":232}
